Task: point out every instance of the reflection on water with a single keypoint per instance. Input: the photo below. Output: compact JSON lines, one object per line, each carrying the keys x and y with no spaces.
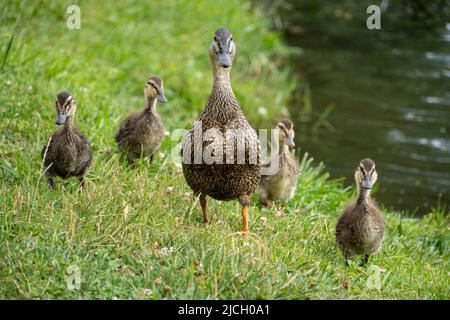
{"x":390,"y":89}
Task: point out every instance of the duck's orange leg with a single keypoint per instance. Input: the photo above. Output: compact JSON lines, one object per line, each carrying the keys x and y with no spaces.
{"x":204,"y":211}
{"x":245,"y":219}
{"x":245,"y":202}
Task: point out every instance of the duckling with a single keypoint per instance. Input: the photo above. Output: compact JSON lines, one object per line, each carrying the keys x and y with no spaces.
{"x":225,"y":133}
{"x":360,"y":229}
{"x":68,"y":152}
{"x":141,"y":133}
{"x":282,"y":184}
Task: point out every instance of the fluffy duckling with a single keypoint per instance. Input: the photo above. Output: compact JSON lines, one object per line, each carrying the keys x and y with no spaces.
{"x":141,"y":133}
{"x":67,"y":152}
{"x":360,"y":230}
{"x":282,"y":184}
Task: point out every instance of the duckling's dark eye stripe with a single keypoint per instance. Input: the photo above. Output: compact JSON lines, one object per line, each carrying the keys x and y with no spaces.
{"x":153,"y":85}
{"x":283,"y":128}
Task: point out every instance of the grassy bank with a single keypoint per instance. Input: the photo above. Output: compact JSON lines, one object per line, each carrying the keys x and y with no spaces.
{"x":137,"y":232}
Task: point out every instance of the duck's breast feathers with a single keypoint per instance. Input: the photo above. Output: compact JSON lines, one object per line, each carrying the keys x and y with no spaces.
{"x":225,"y":144}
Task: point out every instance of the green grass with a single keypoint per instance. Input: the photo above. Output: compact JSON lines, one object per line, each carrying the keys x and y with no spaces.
{"x":129,"y":230}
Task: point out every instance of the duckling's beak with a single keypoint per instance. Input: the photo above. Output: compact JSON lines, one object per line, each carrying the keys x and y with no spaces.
{"x":224,"y":59}
{"x":161,"y":97}
{"x":366,"y":183}
{"x":61,"y":118}
{"x":290,"y":142}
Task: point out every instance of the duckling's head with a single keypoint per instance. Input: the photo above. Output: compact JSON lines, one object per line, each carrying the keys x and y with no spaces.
{"x":154,"y":89}
{"x":65,"y":107}
{"x":365,"y":174}
{"x":286,"y":133}
{"x":222,"y":49}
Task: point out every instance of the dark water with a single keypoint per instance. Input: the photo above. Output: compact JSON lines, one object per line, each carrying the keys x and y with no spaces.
{"x":391,"y":97}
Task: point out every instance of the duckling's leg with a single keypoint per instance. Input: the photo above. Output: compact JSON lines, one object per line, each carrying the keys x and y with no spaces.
{"x":131,"y":158}
{"x":51,"y":183}
{"x":245,"y":202}
{"x":81,"y":179}
{"x":267,"y":203}
{"x":203,"y":205}
{"x":150,"y":159}
{"x":346,"y":255}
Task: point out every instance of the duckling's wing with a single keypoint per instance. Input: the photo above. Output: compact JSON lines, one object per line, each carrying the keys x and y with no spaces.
{"x":47,"y":147}
{"x":84,"y":140}
{"x":125,"y":129}
{"x":294,"y":166}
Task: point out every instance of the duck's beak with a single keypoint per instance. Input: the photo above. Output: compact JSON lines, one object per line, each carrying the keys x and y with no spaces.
{"x":161,"y":97}
{"x":224,"y":60}
{"x":61,"y":118}
{"x":290,"y":142}
{"x":366,"y":183}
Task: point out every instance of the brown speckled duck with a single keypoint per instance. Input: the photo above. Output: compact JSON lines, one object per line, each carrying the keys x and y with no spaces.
{"x":232,"y":170}
{"x":67,"y":152}
{"x":360,"y":230}
{"x":141,"y":133}
{"x":282,"y":184}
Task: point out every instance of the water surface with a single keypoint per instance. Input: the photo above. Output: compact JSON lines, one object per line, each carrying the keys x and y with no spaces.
{"x":390,"y":91}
